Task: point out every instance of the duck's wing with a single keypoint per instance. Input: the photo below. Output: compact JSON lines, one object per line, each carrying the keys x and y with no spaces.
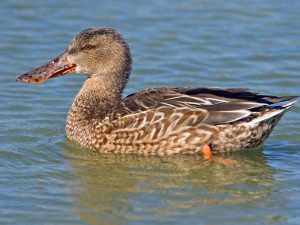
{"x":220,"y":106}
{"x":183,"y":119}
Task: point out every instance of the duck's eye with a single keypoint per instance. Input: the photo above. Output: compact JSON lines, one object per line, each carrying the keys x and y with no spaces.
{"x":87,"y":47}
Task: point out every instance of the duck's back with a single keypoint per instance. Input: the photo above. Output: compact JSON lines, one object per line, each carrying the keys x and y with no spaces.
{"x":181,"y":120}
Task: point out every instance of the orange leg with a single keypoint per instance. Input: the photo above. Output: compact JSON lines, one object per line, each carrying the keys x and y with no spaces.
{"x":207,"y":152}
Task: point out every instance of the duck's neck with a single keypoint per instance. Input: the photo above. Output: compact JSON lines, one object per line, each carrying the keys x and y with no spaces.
{"x":94,"y":101}
{"x":100,"y":93}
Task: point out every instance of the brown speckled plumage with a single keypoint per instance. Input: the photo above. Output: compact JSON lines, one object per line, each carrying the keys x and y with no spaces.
{"x":160,"y":121}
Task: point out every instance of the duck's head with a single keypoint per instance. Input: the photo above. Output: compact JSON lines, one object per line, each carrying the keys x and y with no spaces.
{"x":96,"y":52}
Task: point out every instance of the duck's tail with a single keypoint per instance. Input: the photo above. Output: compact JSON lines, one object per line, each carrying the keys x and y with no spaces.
{"x":276,"y":110}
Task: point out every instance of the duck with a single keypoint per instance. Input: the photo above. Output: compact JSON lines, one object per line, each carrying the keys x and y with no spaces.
{"x":154,"y":121}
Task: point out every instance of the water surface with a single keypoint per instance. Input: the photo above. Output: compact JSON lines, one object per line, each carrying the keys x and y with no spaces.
{"x":44,"y":179}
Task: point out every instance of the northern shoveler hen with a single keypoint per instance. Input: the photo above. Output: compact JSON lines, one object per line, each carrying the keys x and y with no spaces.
{"x":158,"y":121}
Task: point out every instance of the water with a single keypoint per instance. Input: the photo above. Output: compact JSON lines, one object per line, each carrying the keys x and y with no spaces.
{"x":44,"y":179}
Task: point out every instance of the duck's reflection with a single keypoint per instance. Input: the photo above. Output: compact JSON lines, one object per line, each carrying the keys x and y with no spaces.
{"x":114,"y":188}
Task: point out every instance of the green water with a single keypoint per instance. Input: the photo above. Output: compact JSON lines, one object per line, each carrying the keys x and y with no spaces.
{"x":45,"y":179}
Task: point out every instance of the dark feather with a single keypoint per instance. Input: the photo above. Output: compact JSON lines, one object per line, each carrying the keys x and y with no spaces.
{"x":223,"y":105}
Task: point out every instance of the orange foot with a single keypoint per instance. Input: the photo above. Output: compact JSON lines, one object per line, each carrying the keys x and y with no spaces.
{"x":207,"y":152}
